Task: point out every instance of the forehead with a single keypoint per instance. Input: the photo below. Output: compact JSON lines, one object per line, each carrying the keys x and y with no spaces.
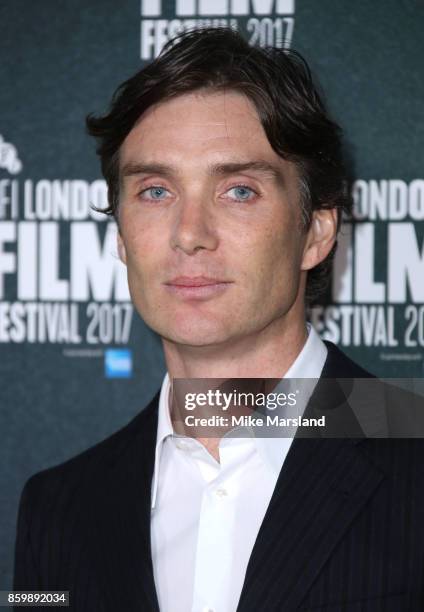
{"x":199,"y":123}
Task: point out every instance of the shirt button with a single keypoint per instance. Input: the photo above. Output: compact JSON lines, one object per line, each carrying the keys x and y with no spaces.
{"x":181,"y":445}
{"x":220,"y":493}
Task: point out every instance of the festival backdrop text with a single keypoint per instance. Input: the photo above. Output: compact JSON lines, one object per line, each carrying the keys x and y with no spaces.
{"x":76,"y":360}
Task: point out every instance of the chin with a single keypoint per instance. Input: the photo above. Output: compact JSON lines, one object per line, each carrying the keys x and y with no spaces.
{"x":194,"y":333}
{"x":195,"y":338}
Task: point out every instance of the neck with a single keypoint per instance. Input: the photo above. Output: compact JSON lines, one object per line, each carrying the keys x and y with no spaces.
{"x":268,"y":353}
{"x":265,"y":354}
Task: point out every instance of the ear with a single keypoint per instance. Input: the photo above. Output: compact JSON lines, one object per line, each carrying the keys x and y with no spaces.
{"x":321,"y":237}
{"x":121,"y":248}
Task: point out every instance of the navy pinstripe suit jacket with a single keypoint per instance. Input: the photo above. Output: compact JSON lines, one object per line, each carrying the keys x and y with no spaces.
{"x":343,"y":531}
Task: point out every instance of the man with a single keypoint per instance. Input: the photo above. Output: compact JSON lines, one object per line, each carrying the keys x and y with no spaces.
{"x":226,"y":180}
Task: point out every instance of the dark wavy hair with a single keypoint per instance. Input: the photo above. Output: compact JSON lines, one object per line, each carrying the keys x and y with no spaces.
{"x":280,"y":86}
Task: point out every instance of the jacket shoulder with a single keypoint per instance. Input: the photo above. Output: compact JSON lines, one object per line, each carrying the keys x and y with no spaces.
{"x":94,"y":462}
{"x":339,"y":365}
{"x":57,"y":504}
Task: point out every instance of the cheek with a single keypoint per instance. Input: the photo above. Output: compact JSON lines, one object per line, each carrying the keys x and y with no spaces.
{"x":140,"y":269}
{"x":141,"y":244}
{"x":277,"y":263}
{"x":145,"y":235}
{"x":278,"y":248}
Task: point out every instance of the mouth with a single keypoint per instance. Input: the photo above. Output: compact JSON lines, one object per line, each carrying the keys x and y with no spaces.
{"x":197,"y":287}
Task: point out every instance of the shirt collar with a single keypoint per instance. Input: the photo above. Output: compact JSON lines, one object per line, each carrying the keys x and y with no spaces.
{"x":164,"y":430}
{"x":308,"y":364}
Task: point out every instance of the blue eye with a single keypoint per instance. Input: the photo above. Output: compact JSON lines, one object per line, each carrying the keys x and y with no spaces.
{"x":154,"y":193}
{"x":242,"y":193}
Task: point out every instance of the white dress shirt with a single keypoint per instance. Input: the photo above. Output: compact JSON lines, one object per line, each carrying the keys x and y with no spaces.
{"x":206,"y":514}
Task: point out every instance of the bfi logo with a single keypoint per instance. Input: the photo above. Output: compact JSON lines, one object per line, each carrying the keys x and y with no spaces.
{"x":9,"y":159}
{"x":191,"y":8}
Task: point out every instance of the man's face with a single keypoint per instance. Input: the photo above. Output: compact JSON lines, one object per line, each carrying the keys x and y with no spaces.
{"x":205,"y":200}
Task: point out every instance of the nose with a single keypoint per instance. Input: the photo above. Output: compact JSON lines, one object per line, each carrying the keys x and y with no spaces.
{"x":194,"y":228}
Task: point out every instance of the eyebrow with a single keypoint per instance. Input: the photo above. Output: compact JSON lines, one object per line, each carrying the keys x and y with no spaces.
{"x":220,"y":169}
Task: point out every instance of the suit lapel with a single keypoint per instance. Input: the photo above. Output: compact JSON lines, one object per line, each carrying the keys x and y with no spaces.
{"x":323,"y":484}
{"x":321,"y":488}
{"x":121,"y":520}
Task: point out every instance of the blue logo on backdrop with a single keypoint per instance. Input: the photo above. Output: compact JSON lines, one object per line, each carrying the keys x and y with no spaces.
{"x":118,"y":363}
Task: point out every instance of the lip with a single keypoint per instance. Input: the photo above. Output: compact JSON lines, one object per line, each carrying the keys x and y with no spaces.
{"x":197,"y":286}
{"x":194,"y":281}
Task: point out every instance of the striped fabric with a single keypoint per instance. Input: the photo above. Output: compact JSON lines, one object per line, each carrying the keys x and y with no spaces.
{"x":343,"y":532}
